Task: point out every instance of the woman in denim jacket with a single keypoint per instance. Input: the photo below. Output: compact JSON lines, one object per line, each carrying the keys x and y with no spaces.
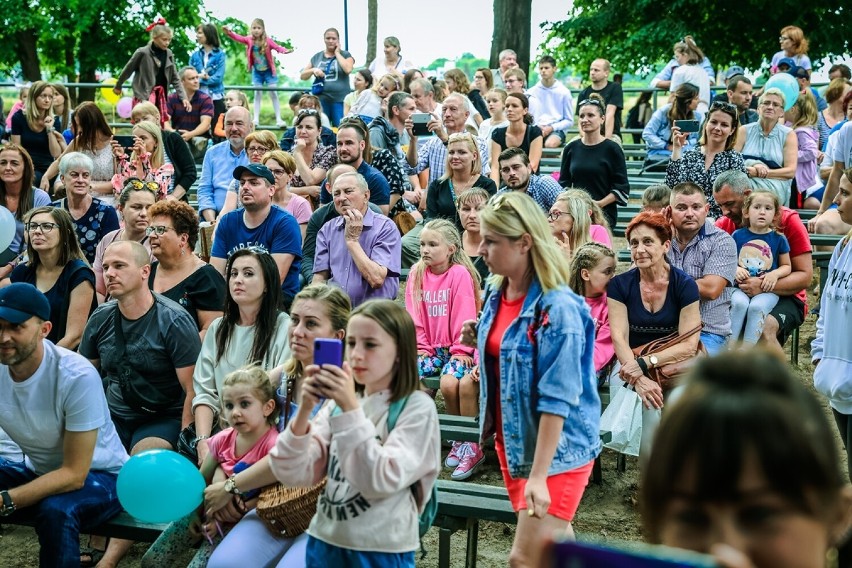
{"x":538,"y":390}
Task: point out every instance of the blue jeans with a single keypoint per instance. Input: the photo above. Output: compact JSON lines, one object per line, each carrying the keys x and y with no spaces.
{"x":261,"y":78}
{"x":713,"y":343}
{"x":321,"y":554}
{"x":333,"y":110}
{"x":748,"y":314}
{"x":59,"y":519}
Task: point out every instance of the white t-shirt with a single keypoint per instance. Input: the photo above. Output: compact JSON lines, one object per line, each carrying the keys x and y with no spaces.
{"x":64,"y":394}
{"x":843,"y":145}
{"x":696,"y":75}
{"x":487,"y":126}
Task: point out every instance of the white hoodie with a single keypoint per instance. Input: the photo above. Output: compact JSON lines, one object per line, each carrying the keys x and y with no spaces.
{"x":552,"y":106}
{"x":367,"y":504}
{"x":832,"y":346}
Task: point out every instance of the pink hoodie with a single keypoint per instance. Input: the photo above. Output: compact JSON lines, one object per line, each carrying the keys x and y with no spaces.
{"x":604,"y":351}
{"x":446,"y":301}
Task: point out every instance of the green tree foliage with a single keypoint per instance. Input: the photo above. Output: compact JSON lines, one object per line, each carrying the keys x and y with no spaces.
{"x":635,"y":36}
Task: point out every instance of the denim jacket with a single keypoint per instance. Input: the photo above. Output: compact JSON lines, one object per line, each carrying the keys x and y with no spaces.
{"x":556,"y":376}
{"x":215,"y":85}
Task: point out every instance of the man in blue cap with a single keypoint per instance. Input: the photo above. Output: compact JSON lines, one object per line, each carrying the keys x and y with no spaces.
{"x":260,"y":224}
{"x":52,"y":404}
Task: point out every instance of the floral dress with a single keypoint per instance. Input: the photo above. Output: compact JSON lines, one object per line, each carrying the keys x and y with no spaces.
{"x":162,"y":176}
{"x":690,"y":167}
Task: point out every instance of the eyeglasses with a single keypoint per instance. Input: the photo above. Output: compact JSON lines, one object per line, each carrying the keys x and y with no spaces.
{"x":722,"y":105}
{"x":159,"y":229}
{"x":45,"y":228}
{"x":556,"y":214}
{"x":257,"y":150}
{"x":595,"y":102}
{"x":278,"y":172}
{"x":783,"y":38}
{"x":137,"y":183}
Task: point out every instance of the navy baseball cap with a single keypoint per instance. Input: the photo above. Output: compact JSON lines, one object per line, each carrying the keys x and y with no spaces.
{"x":789,"y":62}
{"x":20,"y":301}
{"x":256,"y":169}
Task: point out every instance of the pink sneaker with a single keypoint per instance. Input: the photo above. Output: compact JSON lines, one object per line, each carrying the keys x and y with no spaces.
{"x":454,"y":456}
{"x":471,"y":457}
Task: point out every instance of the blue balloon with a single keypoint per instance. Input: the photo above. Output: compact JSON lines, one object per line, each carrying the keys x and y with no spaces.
{"x":787,"y":84}
{"x":159,"y":486}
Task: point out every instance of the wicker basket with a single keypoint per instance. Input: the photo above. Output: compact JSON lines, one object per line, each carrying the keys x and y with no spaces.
{"x":288,"y":511}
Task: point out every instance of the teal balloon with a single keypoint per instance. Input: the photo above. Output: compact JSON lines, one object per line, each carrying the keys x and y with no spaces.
{"x":159,"y":486}
{"x":788,"y":85}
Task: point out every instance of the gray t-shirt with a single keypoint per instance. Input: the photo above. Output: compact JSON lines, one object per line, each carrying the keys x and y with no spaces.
{"x":158,"y":343}
{"x":336,"y":80}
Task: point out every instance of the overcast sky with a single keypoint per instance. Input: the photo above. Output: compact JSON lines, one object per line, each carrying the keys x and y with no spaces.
{"x":427,"y":29}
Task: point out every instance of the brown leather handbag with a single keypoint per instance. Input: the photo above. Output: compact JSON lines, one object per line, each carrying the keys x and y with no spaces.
{"x":668,"y":376}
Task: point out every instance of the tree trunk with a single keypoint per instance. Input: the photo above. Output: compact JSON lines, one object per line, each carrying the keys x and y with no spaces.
{"x":27,"y":54}
{"x":372,"y":30}
{"x":512,"y":21}
{"x":87,"y":56}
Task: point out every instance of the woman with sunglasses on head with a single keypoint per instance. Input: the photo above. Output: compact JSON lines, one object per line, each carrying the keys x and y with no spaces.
{"x":18,"y":195}
{"x":258,"y":144}
{"x":178,"y":274}
{"x":312,"y":158}
{"x":595,"y":163}
{"x":133,"y":204}
{"x":56,"y":266}
{"x":463,"y":167}
{"x":537,"y":379}
{"x":657,"y":134}
{"x":714,"y":153}
{"x":93,"y":218}
{"x":770,"y":149}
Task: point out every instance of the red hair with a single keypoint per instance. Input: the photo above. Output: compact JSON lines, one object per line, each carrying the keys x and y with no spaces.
{"x":656,"y":221}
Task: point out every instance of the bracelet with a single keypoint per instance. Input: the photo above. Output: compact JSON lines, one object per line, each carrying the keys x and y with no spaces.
{"x":642,"y":365}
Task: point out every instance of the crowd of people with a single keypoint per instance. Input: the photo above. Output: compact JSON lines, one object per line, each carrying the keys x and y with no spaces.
{"x":131,"y":320}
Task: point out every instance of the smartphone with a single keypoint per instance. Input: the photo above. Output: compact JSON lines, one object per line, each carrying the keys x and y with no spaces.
{"x":328,"y":352}
{"x":687,"y":125}
{"x":616,"y":555}
{"x":125,"y":141}
{"x":420,"y":120}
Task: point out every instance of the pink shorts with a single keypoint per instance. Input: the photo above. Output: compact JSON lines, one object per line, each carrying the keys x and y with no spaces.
{"x":566,"y":489}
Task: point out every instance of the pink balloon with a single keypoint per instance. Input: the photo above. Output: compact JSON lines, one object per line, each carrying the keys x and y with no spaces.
{"x":124,"y":107}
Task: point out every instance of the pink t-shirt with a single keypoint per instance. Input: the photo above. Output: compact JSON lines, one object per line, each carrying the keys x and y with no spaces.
{"x":299,"y":207}
{"x":604,"y":350}
{"x":600,"y":235}
{"x":446,"y":301}
{"x":223,"y":447}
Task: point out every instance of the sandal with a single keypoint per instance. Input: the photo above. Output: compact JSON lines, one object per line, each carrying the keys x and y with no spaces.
{"x":90,"y":556}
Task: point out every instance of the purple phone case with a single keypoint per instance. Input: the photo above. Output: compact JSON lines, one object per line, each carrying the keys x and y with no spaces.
{"x":328,"y":352}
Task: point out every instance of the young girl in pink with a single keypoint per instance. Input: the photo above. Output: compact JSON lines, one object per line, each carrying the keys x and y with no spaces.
{"x":262,"y":64}
{"x":249,"y":406}
{"x":592,"y":267}
{"x":442,"y":292}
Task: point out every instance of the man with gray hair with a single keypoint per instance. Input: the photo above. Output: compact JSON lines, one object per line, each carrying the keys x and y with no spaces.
{"x":507,"y":59}
{"x":220,"y":162}
{"x":193,"y":123}
{"x":360,"y":250}
{"x":730,"y":190}
{"x":424,"y":97}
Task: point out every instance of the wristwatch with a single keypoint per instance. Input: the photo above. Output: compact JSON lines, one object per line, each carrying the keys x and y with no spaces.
{"x":231,"y":485}
{"x":8,"y":506}
{"x":653,"y":359}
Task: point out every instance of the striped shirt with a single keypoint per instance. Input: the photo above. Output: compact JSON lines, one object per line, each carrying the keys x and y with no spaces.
{"x":711,"y":251}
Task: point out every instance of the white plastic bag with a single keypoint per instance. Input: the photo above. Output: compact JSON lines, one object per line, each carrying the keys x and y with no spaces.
{"x":623,"y":420}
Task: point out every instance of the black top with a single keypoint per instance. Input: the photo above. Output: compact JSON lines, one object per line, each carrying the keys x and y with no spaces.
{"x":161,"y":55}
{"x":612,"y":95}
{"x":598,"y":169}
{"x":441,"y":198}
{"x":479,"y":103}
{"x":498,"y":135}
{"x":178,"y":152}
{"x":36,"y":143}
{"x":204,"y":289}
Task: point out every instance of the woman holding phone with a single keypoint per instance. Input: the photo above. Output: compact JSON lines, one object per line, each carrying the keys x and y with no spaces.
{"x":251,"y":331}
{"x":318,"y":311}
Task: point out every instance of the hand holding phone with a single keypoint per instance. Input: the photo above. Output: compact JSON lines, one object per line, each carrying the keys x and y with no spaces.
{"x":125,"y":141}
{"x":421,"y":122}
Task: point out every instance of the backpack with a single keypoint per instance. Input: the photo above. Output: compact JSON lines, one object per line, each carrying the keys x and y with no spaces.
{"x":427,"y":517}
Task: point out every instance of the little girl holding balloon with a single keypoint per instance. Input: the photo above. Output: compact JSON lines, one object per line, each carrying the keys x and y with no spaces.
{"x":249,"y":405}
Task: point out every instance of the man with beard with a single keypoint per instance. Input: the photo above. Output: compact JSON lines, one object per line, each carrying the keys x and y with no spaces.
{"x":517,"y":174}
{"x":261,"y":225}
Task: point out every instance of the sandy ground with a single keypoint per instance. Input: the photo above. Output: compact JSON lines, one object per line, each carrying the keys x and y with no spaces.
{"x":607,"y":511}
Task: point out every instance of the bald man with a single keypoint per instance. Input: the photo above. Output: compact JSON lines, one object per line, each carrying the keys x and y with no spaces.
{"x":221,"y":160}
{"x":612,"y":95}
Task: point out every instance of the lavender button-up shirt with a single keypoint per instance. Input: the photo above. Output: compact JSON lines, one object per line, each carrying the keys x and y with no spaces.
{"x":380,"y":240}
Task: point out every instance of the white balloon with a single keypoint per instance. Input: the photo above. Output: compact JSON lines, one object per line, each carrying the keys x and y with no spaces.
{"x":7,"y":234}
